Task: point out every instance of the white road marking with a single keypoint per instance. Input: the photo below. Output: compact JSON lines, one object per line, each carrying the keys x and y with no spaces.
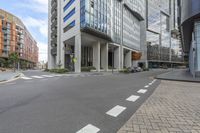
{"x":142,"y":91}
{"x":89,"y":129}
{"x":116,"y":111}
{"x":26,"y":78}
{"x":147,"y":86}
{"x":133,"y":98}
{"x":150,"y":83}
{"x":37,"y":77}
{"x":48,"y":76}
{"x":154,"y":80}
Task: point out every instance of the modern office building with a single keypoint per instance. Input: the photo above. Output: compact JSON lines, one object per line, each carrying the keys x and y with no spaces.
{"x":163,"y":36}
{"x":14,"y":37}
{"x":99,"y":33}
{"x":190,"y":31}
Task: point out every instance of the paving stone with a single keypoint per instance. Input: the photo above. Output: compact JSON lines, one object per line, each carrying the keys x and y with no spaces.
{"x":174,"y":107}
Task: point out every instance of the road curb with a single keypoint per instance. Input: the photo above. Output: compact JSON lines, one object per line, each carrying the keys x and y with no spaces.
{"x":18,"y":76}
{"x":179,"y":80}
{"x":172,"y":79}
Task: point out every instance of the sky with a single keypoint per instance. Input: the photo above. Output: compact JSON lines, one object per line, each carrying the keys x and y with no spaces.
{"x":34,"y":14}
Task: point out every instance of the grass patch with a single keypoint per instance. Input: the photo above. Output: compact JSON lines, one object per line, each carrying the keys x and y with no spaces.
{"x":60,"y":71}
{"x":87,"y":69}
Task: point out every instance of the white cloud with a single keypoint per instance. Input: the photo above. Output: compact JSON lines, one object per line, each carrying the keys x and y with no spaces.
{"x":41,"y":25}
{"x":43,"y":48}
{"x":40,"y":6}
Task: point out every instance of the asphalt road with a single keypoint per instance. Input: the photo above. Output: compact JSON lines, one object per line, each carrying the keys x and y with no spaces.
{"x":67,"y":104}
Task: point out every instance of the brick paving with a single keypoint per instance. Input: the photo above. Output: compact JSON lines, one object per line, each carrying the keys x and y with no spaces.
{"x":174,"y":107}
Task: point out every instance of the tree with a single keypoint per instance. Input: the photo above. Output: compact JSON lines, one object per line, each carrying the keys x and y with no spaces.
{"x":2,"y":62}
{"x":13,"y":58}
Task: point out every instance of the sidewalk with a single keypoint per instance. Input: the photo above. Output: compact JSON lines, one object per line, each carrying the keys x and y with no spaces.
{"x":178,"y":75}
{"x":174,"y":107}
{"x":5,"y":76}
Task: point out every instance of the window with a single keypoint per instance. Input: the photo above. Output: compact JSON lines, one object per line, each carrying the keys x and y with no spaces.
{"x":72,"y":12}
{"x":68,"y":5}
{"x":68,"y":27}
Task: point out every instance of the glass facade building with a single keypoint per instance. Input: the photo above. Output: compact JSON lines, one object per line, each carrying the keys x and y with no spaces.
{"x":163,"y":37}
{"x":95,"y":14}
{"x":119,"y":30}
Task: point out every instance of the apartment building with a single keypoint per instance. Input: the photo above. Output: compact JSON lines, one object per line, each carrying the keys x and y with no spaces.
{"x":14,"y":37}
{"x":164,"y":47}
{"x":104,"y":34}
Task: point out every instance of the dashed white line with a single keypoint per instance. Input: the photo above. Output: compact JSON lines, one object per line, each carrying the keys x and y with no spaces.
{"x":147,"y":86}
{"x":26,"y":78}
{"x":142,"y":91}
{"x":48,"y":76}
{"x":154,"y":80}
{"x":89,"y":129}
{"x":133,"y":98}
{"x":116,"y":111}
{"x":150,"y":83}
{"x":37,"y":77}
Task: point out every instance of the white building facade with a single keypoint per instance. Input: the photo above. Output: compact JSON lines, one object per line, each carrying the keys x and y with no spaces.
{"x":100,"y":33}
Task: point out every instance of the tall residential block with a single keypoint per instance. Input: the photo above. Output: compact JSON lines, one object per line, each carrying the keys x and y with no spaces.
{"x":14,"y":37}
{"x":104,"y":34}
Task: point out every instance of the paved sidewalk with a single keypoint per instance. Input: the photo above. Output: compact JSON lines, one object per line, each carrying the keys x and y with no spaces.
{"x":4,"y":76}
{"x":178,"y":75}
{"x":173,"y":108}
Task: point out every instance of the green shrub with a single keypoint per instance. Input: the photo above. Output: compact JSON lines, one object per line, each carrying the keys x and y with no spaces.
{"x":145,"y":69}
{"x":110,"y":67}
{"x":124,"y":71}
{"x":59,"y":71}
{"x":87,"y":69}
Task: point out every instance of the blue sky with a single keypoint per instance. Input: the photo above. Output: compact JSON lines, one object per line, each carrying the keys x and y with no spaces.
{"x":34,"y":14}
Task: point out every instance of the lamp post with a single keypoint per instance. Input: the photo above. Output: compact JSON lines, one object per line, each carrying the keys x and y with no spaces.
{"x":112,"y":59}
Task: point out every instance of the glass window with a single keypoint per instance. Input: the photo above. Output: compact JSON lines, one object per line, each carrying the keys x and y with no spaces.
{"x":72,"y":12}
{"x":68,"y":5}
{"x":69,"y":26}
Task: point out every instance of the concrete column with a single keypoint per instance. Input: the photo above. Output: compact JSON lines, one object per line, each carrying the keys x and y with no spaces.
{"x":77,"y":64}
{"x":96,"y":56}
{"x":121,"y":58}
{"x":104,"y":56}
{"x":62,"y":58}
{"x":117,"y":58}
{"x":128,"y":59}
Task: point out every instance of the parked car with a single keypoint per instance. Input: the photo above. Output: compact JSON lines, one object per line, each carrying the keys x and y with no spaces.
{"x":135,"y":69}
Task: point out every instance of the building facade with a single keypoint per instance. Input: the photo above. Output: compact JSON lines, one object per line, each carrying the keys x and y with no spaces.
{"x":164,"y":46}
{"x":14,"y":37}
{"x":189,"y":20}
{"x":100,"y":33}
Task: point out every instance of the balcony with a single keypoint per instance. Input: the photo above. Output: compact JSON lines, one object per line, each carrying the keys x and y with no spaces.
{"x":54,"y":24}
{"x":53,"y":8}
{"x":53,"y":2}
{"x":54,"y":42}
{"x":5,"y":54}
{"x":54,"y":33}
{"x":54,"y":51}
{"x":54,"y":15}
